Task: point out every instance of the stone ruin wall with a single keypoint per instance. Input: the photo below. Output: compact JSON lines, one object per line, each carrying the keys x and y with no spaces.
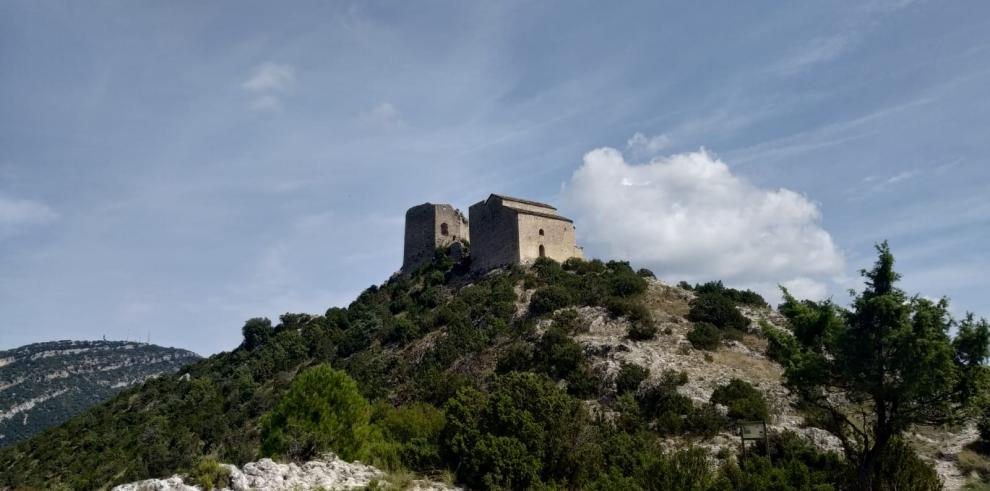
{"x":495,"y":232}
{"x":429,"y":226}
{"x":557,"y":240}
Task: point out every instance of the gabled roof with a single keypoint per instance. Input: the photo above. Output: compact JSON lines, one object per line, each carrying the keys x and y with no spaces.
{"x":520,"y":200}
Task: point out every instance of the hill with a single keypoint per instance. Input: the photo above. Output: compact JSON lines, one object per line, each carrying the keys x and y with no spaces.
{"x":44,"y":384}
{"x":586,"y":375}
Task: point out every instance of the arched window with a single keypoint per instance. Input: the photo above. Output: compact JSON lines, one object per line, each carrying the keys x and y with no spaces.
{"x":443,"y":229}
{"x":543,"y":251}
{"x":541,"y":231}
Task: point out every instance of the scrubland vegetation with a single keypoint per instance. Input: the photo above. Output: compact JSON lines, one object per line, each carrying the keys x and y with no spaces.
{"x":435,"y":375}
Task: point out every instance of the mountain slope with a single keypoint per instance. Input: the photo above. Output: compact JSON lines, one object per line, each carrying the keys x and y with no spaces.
{"x":44,"y":384}
{"x":578,"y":376}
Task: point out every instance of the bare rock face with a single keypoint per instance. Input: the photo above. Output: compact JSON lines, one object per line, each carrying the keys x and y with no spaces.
{"x":330,"y":473}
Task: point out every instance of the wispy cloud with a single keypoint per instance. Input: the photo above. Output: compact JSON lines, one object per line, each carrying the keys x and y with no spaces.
{"x":270,"y":76}
{"x":267,"y":80}
{"x":647,"y":146}
{"x":384,"y":116}
{"x":15,"y":213}
{"x":817,"y":51}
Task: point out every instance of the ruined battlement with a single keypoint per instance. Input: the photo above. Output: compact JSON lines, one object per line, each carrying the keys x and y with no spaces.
{"x":506,"y":231}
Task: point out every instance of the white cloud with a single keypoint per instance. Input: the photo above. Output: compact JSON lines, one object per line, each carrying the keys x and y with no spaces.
{"x":267,"y":80}
{"x":383,"y":115}
{"x":22,"y":212}
{"x":817,"y":51}
{"x":688,"y":217}
{"x":270,"y":77}
{"x":647,"y":146}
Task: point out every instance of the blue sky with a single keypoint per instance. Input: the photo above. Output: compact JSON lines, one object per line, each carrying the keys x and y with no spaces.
{"x":170,"y":169}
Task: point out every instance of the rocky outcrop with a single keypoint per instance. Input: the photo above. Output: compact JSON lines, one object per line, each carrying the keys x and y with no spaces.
{"x":330,"y":473}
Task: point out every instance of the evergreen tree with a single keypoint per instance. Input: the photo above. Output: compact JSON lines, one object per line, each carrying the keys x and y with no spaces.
{"x":888,"y":363}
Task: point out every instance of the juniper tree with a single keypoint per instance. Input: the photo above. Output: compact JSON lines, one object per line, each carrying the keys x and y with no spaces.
{"x":869,"y":373}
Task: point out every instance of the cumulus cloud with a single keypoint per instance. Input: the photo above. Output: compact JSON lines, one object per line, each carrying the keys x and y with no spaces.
{"x":383,"y":115}
{"x":23,"y":212}
{"x":688,"y":217}
{"x":647,"y":146}
{"x":266,"y":81}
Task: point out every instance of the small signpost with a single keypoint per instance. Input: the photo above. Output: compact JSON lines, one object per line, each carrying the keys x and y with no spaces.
{"x":754,"y":431}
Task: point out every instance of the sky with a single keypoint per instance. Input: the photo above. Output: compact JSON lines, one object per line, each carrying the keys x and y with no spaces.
{"x":171,"y":169}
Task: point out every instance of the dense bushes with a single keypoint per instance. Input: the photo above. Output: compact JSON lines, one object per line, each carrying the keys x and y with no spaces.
{"x":743,"y":400}
{"x":629,"y":377}
{"x":718,"y":310}
{"x":704,"y":336}
{"x":548,"y":299}
{"x":524,"y":431}
{"x":742,"y":297}
{"x":322,"y":411}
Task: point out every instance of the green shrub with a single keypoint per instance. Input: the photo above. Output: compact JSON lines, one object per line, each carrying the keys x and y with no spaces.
{"x":645,"y":273}
{"x":705,"y":336}
{"x":626,"y":283}
{"x":415,"y":429}
{"x":900,"y":468}
{"x":744,"y":297}
{"x":781,"y":346}
{"x":718,"y":310}
{"x":631,"y":309}
{"x":641,"y":331}
{"x":209,"y":474}
{"x":743,"y":400}
{"x":629,"y":377}
{"x":524,"y":428}
{"x":983,"y":425}
{"x":549,"y":298}
{"x":256,"y":332}
{"x":323,"y":410}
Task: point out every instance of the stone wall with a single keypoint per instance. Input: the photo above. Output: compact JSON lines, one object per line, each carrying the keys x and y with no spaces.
{"x":495,"y":241}
{"x":429,"y":226}
{"x":557,"y":239}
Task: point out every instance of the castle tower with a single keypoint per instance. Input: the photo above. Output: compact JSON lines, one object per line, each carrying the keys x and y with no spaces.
{"x":429,"y":226}
{"x":518,"y":231}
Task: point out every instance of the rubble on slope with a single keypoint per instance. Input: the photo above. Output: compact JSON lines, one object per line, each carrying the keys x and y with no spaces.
{"x":329,"y":473}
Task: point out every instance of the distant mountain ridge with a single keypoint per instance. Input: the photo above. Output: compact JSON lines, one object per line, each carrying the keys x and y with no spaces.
{"x":44,"y":384}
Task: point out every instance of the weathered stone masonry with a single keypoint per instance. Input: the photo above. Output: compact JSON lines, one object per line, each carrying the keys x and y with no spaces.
{"x":429,"y":226}
{"x":505,"y":231}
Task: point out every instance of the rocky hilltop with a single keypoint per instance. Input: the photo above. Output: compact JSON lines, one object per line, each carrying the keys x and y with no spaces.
{"x":581,"y":375}
{"x":44,"y":384}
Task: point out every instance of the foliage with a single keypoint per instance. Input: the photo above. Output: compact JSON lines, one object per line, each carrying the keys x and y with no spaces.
{"x":795,"y":466}
{"x":209,"y":474}
{"x":741,"y":297}
{"x":719,"y":310}
{"x":781,"y":346}
{"x":256,"y":331}
{"x":525,"y":430}
{"x":630,"y":377}
{"x":548,"y":299}
{"x":705,"y":336}
{"x":323,"y":410}
{"x":742,"y":399}
{"x":641,"y":331}
{"x":414,"y":431}
{"x":892,"y":359}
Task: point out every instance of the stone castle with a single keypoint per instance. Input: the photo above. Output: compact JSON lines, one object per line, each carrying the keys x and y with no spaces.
{"x":502,"y":230}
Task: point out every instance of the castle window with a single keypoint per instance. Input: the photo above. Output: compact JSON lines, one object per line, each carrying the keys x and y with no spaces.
{"x":541,"y":231}
{"x":543,"y":251}
{"x":443,"y":229}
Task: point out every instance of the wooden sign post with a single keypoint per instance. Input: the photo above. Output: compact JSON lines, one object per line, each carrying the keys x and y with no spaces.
{"x":754,"y":431}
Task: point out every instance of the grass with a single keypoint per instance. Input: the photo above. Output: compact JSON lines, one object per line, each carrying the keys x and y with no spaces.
{"x":972,"y":462}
